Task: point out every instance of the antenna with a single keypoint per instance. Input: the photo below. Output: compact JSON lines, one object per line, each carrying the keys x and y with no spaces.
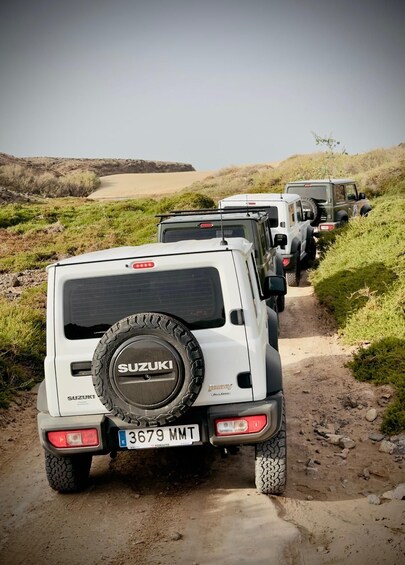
{"x":223,"y":240}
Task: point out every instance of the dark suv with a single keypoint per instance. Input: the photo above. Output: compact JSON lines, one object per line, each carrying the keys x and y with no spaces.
{"x":254,"y":226}
{"x":333,"y":202}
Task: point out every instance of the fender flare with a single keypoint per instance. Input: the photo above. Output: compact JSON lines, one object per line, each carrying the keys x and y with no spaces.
{"x":342,"y":217}
{"x":295,"y":244}
{"x":42,"y":402}
{"x":279,"y":265}
{"x":272,"y":327}
{"x":274,"y":375}
{"x":310,"y":234}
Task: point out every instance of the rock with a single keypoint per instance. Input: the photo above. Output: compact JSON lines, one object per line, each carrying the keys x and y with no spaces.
{"x":398,"y":493}
{"x":366,"y":473}
{"x":334,"y":439}
{"x":325,"y":430}
{"x":400,"y":445}
{"x":347,"y":443}
{"x":349,"y":402}
{"x":309,"y":497}
{"x":373,"y":499}
{"x":376,"y":437}
{"x":344,"y":453}
{"x":15,"y":282}
{"x":387,"y":447}
{"x":311,"y":471}
{"x":371,"y":415}
{"x":176,"y":536}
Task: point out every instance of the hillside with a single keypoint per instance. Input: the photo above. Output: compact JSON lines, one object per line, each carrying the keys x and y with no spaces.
{"x":61,"y":166}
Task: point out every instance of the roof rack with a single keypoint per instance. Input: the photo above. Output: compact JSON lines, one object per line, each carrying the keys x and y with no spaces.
{"x":219,"y":211}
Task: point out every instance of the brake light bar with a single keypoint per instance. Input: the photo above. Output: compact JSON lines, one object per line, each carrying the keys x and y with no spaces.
{"x":241,"y":425}
{"x":74,"y":438}
{"x":143,"y":265}
{"x":206,"y":225}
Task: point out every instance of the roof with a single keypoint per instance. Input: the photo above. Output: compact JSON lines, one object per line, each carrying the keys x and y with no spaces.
{"x":257,"y":198}
{"x":320,"y":181}
{"x":216,"y":216}
{"x":158,"y":249}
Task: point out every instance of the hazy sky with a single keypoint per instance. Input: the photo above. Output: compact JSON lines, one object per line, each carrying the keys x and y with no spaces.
{"x":209,"y":82}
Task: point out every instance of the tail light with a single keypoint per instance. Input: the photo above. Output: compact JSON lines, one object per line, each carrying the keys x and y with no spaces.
{"x":74,"y":438}
{"x":286,"y":261}
{"x":326,"y":227}
{"x":240,"y":426}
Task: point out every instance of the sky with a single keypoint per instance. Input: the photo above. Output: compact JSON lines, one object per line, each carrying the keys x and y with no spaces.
{"x":213,"y":83}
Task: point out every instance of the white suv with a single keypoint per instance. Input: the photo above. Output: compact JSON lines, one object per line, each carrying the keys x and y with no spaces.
{"x":287,"y":217}
{"x":161,"y":345}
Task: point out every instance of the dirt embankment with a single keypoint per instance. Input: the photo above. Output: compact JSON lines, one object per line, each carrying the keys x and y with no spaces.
{"x":187,"y":506}
{"x":60,"y":166}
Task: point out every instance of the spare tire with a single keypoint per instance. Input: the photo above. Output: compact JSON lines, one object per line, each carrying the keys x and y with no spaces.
{"x":311,"y":205}
{"x":148,"y":369}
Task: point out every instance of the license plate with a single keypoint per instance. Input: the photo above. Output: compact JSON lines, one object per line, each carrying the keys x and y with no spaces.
{"x":159,"y":437}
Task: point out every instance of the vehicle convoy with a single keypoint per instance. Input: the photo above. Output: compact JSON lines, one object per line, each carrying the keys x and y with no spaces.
{"x":333,"y":202}
{"x":253,"y":225}
{"x":288,"y":220}
{"x":162,"y":345}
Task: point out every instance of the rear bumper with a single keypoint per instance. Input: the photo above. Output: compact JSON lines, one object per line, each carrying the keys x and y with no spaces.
{"x":107,"y":426}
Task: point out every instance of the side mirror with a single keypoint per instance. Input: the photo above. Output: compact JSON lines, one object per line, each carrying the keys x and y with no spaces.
{"x":308,"y":215}
{"x":362,"y":196}
{"x":274,"y":285}
{"x":280,"y":239}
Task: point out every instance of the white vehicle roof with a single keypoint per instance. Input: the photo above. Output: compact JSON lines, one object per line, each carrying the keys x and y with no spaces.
{"x":158,"y":249}
{"x":320,"y":181}
{"x":258,"y":198}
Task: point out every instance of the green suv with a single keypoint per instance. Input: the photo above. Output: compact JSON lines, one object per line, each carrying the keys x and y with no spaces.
{"x":333,"y":202}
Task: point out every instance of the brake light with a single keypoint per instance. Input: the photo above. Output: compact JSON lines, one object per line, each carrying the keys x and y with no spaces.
{"x":74,"y":438}
{"x":239,"y":426}
{"x":143,"y":265}
{"x":326,"y":227}
{"x":286,"y":261}
{"x":206,"y":225}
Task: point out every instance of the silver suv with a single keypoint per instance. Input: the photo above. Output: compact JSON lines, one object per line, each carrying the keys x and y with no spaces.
{"x":162,"y":345}
{"x":289,"y":224}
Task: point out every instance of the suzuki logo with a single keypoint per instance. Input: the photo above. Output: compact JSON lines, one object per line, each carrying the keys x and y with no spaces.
{"x":144,"y":367}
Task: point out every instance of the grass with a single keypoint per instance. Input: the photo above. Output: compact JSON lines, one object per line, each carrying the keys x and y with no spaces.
{"x":360,"y":277}
{"x":361,"y":280}
{"x":22,"y":179}
{"x":376,"y":172}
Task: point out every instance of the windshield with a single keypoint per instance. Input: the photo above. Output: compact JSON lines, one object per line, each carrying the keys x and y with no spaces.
{"x":317,"y":192}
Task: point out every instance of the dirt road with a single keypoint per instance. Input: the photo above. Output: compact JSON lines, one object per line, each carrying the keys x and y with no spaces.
{"x":190,"y":506}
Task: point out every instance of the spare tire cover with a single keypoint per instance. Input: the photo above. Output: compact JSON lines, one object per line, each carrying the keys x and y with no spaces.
{"x":311,"y":205}
{"x":148,"y":369}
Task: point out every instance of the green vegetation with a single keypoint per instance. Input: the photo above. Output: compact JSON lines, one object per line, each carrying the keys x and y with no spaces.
{"x":377,"y":172}
{"x":360,"y":277}
{"x":361,"y":280}
{"x":22,"y":179}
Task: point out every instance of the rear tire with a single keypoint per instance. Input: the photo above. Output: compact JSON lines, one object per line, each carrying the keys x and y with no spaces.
{"x":67,"y":474}
{"x":271,"y":463}
{"x":311,"y":252}
{"x":293,"y":277}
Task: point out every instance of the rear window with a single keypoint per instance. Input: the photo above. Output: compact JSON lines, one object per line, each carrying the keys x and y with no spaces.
{"x":93,"y":305}
{"x":315,"y":192}
{"x":180,"y":234}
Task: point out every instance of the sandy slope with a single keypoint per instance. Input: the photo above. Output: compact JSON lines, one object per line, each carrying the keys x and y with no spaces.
{"x":145,"y":184}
